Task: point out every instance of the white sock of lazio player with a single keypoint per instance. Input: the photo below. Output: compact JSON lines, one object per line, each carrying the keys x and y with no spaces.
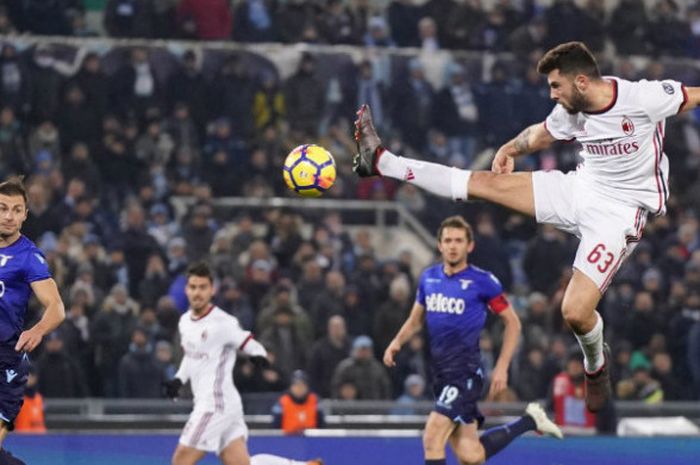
{"x":437,"y":179}
{"x":592,"y":345}
{"x":267,"y":459}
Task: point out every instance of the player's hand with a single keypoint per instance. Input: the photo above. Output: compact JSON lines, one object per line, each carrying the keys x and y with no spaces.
{"x":260,"y":362}
{"x":171,"y":388}
{"x":390,"y":353}
{"x":28,"y":340}
{"x":499,"y":381}
{"x":502,"y":163}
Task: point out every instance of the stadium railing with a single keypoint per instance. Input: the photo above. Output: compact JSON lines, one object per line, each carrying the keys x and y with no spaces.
{"x":163,"y":414}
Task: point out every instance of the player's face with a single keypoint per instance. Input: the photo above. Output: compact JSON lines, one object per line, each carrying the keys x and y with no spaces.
{"x":454,"y":246}
{"x":13,"y":212}
{"x":566,"y":90}
{"x":199,"y":291}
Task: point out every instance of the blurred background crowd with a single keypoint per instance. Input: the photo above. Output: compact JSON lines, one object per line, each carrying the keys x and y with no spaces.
{"x":107,"y":136}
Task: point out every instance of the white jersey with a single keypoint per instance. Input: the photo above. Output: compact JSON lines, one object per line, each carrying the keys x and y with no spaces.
{"x":622,"y":145}
{"x":210,"y":343}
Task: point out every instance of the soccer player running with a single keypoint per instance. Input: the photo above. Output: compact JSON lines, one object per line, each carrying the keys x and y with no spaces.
{"x":452,"y":302}
{"x":23,"y":270}
{"x":210,"y":338}
{"x":623,"y":177}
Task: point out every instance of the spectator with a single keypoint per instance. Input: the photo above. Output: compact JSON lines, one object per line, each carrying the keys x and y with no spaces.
{"x":533,"y":383}
{"x":569,"y":405}
{"x":253,"y":21}
{"x":30,"y":418}
{"x":362,"y":371}
{"x":15,"y":89}
{"x":139,"y":245}
{"x":205,"y":19}
{"x":326,"y":354}
{"x":298,"y":408}
{"x":668,"y":34}
{"x":545,"y":258}
{"x":328,"y":302}
{"x":564,"y":22}
{"x":14,"y":158}
{"x":378,"y":34}
{"x":391,"y":314}
{"x":413,"y":359}
{"x":187,"y":86}
{"x":284,"y":338}
{"x":111,"y":333}
{"x":456,"y":114}
{"x":134,"y":86}
{"x":627,"y":27}
{"x":641,"y":386}
{"x":336,"y":24}
{"x":140,"y":376}
{"x":662,"y":370}
{"x":156,"y":281}
{"x":129,"y":18}
{"x":403,"y":17}
{"x":413,"y":393}
{"x":305,"y":97}
{"x":59,"y":374}
{"x":413,"y":110}
{"x":269,"y":106}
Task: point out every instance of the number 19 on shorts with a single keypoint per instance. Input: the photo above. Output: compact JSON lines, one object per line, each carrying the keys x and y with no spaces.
{"x":447,"y":396}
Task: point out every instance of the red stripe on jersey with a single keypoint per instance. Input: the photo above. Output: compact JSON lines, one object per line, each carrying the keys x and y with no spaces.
{"x":612,"y":103}
{"x":245,"y":341}
{"x":612,"y":272}
{"x":211,"y":307}
{"x":219,"y":380}
{"x":657,"y":166}
{"x":685,"y":98}
{"x":499,"y":303}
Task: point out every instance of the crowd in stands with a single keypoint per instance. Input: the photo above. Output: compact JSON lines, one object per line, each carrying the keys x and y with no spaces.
{"x":662,"y":27}
{"x":107,"y":140}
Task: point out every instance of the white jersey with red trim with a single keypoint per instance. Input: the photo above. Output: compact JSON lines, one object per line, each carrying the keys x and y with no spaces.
{"x":622,"y":145}
{"x":210,"y":343}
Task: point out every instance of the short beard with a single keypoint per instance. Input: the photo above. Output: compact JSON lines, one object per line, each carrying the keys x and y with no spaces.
{"x":578,"y":103}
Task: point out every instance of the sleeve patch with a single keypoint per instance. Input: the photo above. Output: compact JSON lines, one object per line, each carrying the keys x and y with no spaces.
{"x":499,"y":303}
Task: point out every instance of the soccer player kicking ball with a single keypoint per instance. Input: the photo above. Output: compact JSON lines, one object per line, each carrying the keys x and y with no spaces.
{"x":452,"y":301}
{"x":210,"y":338}
{"x":605,"y":202}
{"x":23,"y":270}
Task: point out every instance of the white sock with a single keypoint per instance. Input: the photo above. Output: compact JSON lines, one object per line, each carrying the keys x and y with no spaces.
{"x":267,"y":459}
{"x":592,"y":345}
{"x":432,"y":177}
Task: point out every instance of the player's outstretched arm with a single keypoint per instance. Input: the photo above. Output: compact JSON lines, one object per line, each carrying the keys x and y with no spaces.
{"x":47,"y":293}
{"x":531,"y":139}
{"x":411,"y":326}
{"x":511,"y":337}
{"x":693,"y":99}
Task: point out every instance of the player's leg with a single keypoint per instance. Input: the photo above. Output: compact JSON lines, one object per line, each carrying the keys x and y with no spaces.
{"x":269,"y":459}
{"x":466,"y":446}
{"x":16,"y":368}
{"x":236,"y":453}
{"x":495,"y":439}
{"x":438,"y":430}
{"x":513,"y":190}
{"x":185,"y":455}
{"x":609,"y":233}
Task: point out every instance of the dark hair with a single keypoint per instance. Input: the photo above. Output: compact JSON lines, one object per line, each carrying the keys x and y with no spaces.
{"x":200,"y":269}
{"x":14,"y":186}
{"x":570,"y":58}
{"x":458,"y":222}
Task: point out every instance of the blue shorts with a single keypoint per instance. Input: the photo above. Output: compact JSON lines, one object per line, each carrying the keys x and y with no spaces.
{"x":14,"y":370}
{"x":457,"y":398}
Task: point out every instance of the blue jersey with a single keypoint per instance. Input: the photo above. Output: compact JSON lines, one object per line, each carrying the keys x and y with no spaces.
{"x":21,"y":264}
{"x":455,"y":313}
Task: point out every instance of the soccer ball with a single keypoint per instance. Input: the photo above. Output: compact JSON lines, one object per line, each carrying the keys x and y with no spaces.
{"x":309,"y":170}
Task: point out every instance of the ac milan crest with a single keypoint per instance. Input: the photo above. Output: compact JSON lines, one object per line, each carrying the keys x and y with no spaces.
{"x":627,"y":126}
